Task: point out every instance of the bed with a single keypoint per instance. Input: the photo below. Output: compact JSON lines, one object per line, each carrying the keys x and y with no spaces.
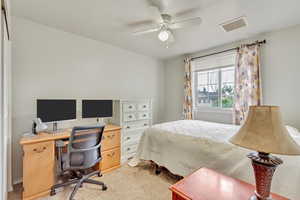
{"x":187,"y":145}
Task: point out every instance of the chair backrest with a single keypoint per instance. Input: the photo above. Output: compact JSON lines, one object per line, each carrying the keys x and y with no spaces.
{"x":84,"y":148}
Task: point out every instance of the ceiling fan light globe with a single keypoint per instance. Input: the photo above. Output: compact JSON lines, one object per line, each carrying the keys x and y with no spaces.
{"x":163,"y":35}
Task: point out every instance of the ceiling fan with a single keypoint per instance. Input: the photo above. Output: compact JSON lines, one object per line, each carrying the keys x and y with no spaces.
{"x":166,"y":23}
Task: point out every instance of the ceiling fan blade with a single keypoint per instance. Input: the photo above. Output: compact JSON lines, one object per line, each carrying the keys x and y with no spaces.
{"x":186,"y":23}
{"x":146,"y":31}
{"x":142,"y":23}
{"x":189,"y":13}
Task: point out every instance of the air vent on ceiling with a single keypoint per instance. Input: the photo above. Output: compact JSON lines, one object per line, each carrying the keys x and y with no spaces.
{"x":234,"y":24}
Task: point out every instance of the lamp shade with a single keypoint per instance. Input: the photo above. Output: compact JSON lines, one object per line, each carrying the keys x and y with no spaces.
{"x":264,"y":131}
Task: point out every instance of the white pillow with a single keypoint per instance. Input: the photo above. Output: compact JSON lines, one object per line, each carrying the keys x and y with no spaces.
{"x":293,"y":131}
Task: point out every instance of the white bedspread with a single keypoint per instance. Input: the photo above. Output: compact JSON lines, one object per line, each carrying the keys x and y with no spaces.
{"x":187,"y":145}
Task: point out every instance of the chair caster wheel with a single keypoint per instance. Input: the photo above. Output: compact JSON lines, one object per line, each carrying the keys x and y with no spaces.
{"x":52,"y":193}
{"x":99,"y":174}
{"x":158,"y":169}
{"x":104,"y":188}
{"x":157,"y":172}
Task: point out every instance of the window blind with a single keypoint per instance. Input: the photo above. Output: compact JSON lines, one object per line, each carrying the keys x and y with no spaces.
{"x":215,"y":61}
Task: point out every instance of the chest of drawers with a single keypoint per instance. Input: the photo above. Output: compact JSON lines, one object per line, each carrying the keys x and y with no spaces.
{"x":134,"y":116}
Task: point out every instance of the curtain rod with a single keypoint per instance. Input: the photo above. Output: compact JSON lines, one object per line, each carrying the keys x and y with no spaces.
{"x":236,"y":48}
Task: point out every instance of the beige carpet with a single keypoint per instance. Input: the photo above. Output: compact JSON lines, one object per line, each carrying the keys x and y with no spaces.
{"x":126,"y":183}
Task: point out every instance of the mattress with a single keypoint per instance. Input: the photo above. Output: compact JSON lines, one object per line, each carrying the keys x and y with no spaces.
{"x":187,"y":145}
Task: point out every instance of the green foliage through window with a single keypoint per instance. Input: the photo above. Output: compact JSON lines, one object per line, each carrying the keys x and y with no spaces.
{"x":215,"y":88}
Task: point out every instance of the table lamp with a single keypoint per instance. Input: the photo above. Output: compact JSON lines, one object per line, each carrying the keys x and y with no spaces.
{"x":264,"y":132}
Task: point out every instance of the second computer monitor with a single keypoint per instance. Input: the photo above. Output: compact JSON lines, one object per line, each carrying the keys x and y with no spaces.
{"x":97,"y":108}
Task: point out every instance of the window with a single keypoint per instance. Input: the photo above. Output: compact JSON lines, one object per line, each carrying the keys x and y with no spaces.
{"x":214,"y":83}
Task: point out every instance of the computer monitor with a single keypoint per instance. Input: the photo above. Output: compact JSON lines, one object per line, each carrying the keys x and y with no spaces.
{"x":97,"y":108}
{"x":53,"y":110}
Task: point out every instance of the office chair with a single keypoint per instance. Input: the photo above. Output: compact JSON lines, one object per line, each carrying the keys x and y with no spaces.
{"x":83,"y":152}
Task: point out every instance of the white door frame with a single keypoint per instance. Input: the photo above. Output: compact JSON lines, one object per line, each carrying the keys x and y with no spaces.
{"x":2,"y":134}
{"x":5,"y":122}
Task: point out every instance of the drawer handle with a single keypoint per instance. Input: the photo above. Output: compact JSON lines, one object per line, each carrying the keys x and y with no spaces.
{"x":130,"y":116}
{"x":39,"y":150}
{"x":144,"y":106}
{"x":129,"y":107}
{"x":128,"y":149}
{"x":111,"y":136}
{"x":144,"y":115}
{"x":111,"y":155}
{"x":145,"y":124}
{"x":128,"y":127}
{"x":128,"y":138}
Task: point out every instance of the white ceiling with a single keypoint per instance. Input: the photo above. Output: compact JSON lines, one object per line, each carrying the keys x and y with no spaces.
{"x":107,"y":20}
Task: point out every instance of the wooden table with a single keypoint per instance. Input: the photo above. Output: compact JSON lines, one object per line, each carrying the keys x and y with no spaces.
{"x":206,"y":184}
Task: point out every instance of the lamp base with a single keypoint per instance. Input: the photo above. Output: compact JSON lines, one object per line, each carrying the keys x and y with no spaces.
{"x":254,"y":197}
{"x":264,"y":166}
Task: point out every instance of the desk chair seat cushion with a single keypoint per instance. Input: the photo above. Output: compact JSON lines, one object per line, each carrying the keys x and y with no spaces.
{"x":76,"y":160}
{"x":79,"y":159}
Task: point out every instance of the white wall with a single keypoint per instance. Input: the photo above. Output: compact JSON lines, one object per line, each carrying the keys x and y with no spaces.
{"x":48,"y":63}
{"x":280,"y":77}
{"x":174,"y":78}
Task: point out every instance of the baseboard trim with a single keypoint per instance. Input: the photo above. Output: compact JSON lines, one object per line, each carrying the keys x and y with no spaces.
{"x":41,"y":194}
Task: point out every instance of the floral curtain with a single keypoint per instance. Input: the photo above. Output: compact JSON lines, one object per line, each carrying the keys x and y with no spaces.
{"x":247,"y":81}
{"x":188,"y":102}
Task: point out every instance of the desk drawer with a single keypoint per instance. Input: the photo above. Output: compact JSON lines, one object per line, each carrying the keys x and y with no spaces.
{"x":110,"y":158}
{"x":110,"y":140}
{"x":38,"y":168}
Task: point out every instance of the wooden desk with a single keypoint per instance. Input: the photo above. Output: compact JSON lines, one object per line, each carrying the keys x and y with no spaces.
{"x":206,"y":184}
{"x":39,"y":152}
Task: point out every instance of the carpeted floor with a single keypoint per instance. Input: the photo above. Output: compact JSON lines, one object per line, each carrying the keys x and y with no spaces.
{"x":126,"y":183}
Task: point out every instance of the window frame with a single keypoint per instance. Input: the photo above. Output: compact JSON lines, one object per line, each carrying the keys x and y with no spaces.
{"x":200,"y":107}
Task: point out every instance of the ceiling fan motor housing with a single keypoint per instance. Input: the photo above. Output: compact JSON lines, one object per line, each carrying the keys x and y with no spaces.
{"x":166,"y":18}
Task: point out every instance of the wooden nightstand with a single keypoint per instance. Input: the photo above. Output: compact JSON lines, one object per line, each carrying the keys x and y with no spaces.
{"x":206,"y":184}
